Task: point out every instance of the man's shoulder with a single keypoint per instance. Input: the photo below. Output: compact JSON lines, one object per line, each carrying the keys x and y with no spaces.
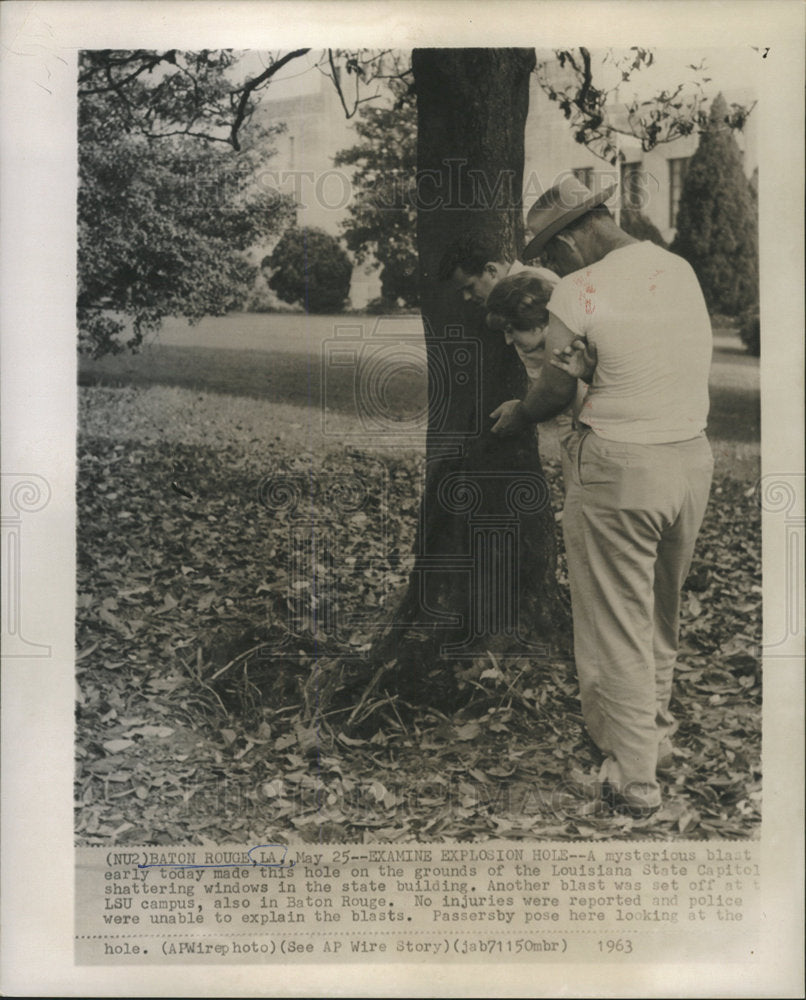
{"x":639,"y":256}
{"x":675,"y":265}
{"x":570,"y":284}
{"x":575,"y":278}
{"x":653,"y":251}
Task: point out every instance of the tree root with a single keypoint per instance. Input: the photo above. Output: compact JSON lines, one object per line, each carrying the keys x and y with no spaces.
{"x":368,"y":690}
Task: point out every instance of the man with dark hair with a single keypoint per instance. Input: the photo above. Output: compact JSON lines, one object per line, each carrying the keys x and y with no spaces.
{"x":474,"y":264}
{"x":641,"y":469}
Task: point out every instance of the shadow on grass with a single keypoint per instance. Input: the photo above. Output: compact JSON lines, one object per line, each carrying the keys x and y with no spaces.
{"x":280,"y":377}
{"x":296,"y":379}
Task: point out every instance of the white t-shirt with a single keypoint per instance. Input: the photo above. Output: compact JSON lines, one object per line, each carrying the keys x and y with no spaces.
{"x":642,"y":308}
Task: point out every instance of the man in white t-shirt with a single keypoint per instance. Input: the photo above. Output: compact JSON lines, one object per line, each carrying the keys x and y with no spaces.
{"x":641,"y":466}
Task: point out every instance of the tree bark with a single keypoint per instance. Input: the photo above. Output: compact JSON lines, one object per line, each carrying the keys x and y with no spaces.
{"x":484,"y":575}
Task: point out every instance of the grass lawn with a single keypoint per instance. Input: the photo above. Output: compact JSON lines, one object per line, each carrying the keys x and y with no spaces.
{"x":178,"y":550}
{"x":278,"y":359}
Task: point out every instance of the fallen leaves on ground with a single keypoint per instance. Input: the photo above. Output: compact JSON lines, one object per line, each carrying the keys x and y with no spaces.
{"x":184,"y":546}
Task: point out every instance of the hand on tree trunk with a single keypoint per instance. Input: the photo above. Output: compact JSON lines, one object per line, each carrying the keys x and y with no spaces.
{"x":511,"y":418}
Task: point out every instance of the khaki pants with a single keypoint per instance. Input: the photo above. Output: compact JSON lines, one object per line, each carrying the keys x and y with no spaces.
{"x":631,"y":518}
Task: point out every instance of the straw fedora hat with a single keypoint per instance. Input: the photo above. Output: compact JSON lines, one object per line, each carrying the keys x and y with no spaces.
{"x":557,"y":208}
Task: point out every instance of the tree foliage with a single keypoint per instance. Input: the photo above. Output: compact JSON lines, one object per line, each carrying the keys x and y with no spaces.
{"x":164,"y":220}
{"x":382,"y":223}
{"x":310,"y":267}
{"x":166,"y":210}
{"x":171,"y":93}
{"x":598,"y":118}
{"x":205,"y":94}
{"x":717,"y":223}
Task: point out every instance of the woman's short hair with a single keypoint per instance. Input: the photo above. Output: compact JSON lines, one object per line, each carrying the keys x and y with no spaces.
{"x":520,"y":300}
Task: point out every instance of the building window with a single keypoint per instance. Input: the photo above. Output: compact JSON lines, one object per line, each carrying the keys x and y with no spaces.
{"x":584,"y":174}
{"x":677,"y":176}
{"x":631,"y":186}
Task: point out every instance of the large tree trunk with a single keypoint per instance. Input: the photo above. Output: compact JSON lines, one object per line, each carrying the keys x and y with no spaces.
{"x":484,"y":577}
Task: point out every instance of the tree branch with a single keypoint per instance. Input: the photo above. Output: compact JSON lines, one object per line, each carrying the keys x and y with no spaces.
{"x":336,"y":82}
{"x":149,"y":63}
{"x":251,"y":85}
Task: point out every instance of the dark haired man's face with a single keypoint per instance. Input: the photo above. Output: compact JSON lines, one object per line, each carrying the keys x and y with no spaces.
{"x":476,"y":287}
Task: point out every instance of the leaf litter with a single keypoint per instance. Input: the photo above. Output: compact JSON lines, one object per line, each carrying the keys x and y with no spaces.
{"x":165,"y":594}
